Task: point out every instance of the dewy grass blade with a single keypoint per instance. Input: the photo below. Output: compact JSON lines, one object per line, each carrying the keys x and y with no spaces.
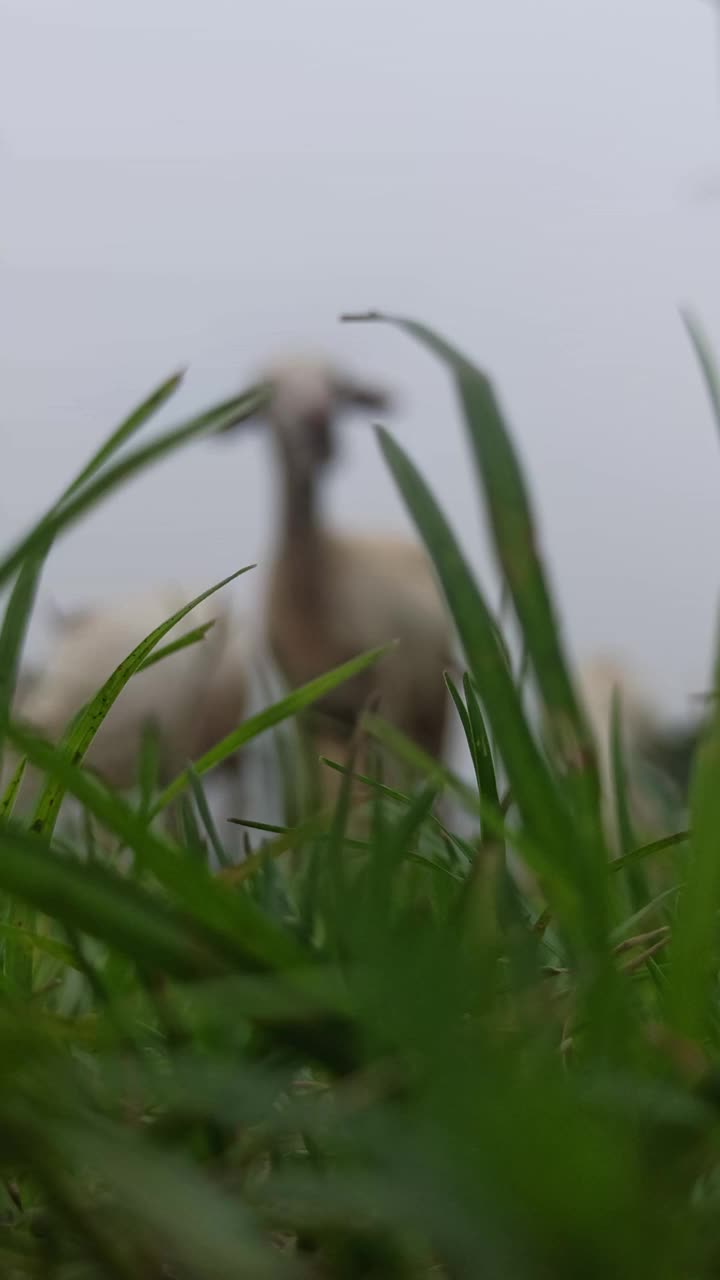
{"x":184,"y":642}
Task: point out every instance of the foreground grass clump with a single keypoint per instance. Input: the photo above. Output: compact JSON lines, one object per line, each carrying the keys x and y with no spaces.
{"x":360,"y":1055}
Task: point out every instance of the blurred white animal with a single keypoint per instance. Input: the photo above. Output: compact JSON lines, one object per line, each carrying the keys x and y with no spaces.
{"x":656,"y":753}
{"x":332,"y":596}
{"x":192,"y":698}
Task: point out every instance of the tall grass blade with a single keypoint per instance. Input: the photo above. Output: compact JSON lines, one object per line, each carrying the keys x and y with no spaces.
{"x":482,"y":753}
{"x":183,"y":642}
{"x":706,"y":360}
{"x":68,"y":511}
{"x":97,"y":901}
{"x":251,"y":728}
{"x":694,"y":950}
{"x":22,"y":598}
{"x":516,"y":540}
{"x":126,"y":430}
{"x":538,"y":800}
{"x":231,"y":916}
{"x":650,"y":850}
{"x":198,"y":794}
{"x":440,"y":776}
{"x":14,"y":629}
{"x":7,"y":802}
{"x":637,"y":880}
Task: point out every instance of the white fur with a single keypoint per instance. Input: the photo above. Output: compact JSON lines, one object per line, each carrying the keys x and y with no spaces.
{"x":191,"y":698}
{"x":333,"y":596}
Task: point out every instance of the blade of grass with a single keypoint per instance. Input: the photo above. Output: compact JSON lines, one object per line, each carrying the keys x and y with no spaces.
{"x":515,"y":536}
{"x":637,"y":881}
{"x":465,"y":722}
{"x":649,"y":850}
{"x":39,"y":942}
{"x":99,"y":902}
{"x":400,"y":796}
{"x":14,"y":629}
{"x":127,"y":429}
{"x":648,"y":908}
{"x":508,"y":905}
{"x":401,"y":835}
{"x":335,"y":880}
{"x":288,"y":838}
{"x":21,"y":601}
{"x":18,"y":961}
{"x":706,"y":360}
{"x":628,"y":840}
{"x":7,"y":803}
{"x":539,"y":802}
{"x":296,"y":701}
{"x":192,"y":843}
{"x":184,"y":642}
{"x":231,"y":917}
{"x":693,"y":954}
{"x":487,"y":782}
{"x":66,"y":513}
{"x":516,"y":541}
{"x":439,"y":775}
{"x":423,"y":764}
{"x":198,"y":793}
{"x":148,"y":770}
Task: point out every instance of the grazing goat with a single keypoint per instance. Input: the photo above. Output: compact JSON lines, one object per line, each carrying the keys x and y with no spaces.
{"x":332,"y":596}
{"x":192,"y":698}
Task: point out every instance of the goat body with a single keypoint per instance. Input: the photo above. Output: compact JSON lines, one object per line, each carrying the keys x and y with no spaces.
{"x":347,"y":594}
{"x":191,"y":698}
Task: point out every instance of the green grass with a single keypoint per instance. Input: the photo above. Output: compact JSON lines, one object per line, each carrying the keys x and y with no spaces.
{"x":366,"y":1051}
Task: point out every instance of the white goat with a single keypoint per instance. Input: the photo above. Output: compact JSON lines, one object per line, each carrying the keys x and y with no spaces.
{"x":192,"y":698}
{"x":332,"y":596}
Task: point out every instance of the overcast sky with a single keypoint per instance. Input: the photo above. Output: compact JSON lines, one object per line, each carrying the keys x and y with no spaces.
{"x":205,"y":183}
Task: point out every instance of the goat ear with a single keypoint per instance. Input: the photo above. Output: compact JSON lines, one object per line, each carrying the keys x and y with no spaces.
{"x":360,"y":394}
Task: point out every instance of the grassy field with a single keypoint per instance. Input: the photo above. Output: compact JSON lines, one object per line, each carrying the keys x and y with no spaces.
{"x":366,"y":1054}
